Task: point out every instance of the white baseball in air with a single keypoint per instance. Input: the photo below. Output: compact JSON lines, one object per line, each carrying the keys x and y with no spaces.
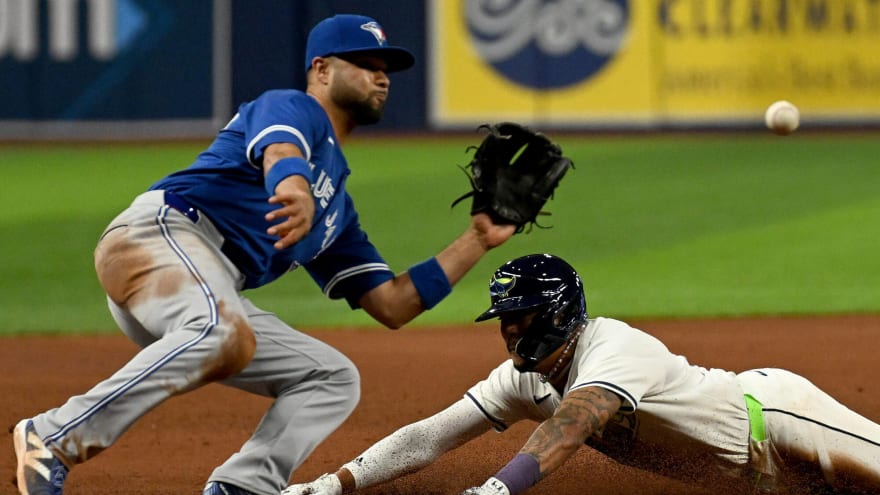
{"x":782,"y":117}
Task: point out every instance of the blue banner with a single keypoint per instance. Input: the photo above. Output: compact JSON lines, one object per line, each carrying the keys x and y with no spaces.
{"x":106,"y":60}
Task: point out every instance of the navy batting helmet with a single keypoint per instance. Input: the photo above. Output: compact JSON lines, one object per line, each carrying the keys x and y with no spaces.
{"x":545,"y":284}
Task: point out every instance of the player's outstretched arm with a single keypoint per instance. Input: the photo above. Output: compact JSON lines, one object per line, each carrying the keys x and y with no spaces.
{"x":410,"y":293}
{"x":407,"y":450}
{"x":513,"y":173}
{"x":580,"y":414}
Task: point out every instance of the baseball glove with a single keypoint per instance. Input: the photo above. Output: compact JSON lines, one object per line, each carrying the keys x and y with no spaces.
{"x":513,"y":173}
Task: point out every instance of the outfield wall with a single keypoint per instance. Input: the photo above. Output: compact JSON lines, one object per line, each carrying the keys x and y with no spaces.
{"x":159,"y":68}
{"x":651,"y":63}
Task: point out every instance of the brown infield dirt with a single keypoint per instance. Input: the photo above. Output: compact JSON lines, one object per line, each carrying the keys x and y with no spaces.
{"x":406,"y":375}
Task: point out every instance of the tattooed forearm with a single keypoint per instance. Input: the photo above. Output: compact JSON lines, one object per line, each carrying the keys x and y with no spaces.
{"x":581,"y":413}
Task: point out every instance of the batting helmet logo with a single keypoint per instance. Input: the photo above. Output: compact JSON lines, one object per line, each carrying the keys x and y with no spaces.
{"x":501,"y":286}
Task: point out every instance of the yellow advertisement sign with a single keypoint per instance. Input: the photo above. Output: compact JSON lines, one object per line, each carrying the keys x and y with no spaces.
{"x":646,"y":62}
{"x":726,"y":58}
{"x":482,"y":58}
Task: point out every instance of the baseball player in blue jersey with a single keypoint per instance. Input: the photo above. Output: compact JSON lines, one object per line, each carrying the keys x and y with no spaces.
{"x":268,"y":196}
{"x":619,"y":390}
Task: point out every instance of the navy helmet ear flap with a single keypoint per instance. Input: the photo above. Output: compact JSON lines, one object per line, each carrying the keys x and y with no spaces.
{"x":569,"y":312}
{"x":547,"y":285}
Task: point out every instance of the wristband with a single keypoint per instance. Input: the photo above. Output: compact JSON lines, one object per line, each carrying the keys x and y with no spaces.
{"x":284,"y":168}
{"x":430,"y":282}
{"x":520,"y":473}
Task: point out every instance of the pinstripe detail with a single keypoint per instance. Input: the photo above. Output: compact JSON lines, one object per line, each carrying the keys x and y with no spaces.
{"x":355,"y":270}
{"x":233,"y":119}
{"x":823,"y":425}
{"x":212,"y":322}
{"x":283,"y":128}
{"x":614,"y":388}
{"x":499,"y":425}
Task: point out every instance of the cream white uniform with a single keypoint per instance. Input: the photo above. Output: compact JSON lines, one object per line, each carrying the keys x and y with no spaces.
{"x":687,"y":411}
{"x":668,"y":404}
{"x":677,"y":419}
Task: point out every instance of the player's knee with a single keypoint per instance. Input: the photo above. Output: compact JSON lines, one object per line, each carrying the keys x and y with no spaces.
{"x":346,"y":382}
{"x":235,"y":349}
{"x":353,"y":386}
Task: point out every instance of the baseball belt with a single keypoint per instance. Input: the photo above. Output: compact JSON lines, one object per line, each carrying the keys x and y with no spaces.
{"x":180,"y":204}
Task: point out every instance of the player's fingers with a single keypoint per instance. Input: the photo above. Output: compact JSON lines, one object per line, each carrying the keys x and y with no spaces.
{"x":280,"y":199}
{"x":290,"y":239}
{"x":289,"y":210}
{"x":302,"y":490}
{"x":294,"y":208}
{"x":290,"y":231}
{"x":283,"y":228}
{"x":285,"y":210}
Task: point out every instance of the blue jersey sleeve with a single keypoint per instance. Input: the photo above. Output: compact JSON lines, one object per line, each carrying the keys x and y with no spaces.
{"x":349,"y":267}
{"x":281,"y":117}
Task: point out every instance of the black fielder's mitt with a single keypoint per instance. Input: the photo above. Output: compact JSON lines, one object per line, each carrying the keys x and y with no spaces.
{"x":513,"y":173}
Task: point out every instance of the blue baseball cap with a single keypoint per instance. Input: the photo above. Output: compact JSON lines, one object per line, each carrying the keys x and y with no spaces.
{"x":348,"y":34}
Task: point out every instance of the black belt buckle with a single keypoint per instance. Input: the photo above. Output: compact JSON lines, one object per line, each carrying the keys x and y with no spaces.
{"x":180,"y":204}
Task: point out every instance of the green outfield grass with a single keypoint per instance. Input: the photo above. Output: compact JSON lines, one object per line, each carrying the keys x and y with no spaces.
{"x":659,"y":226}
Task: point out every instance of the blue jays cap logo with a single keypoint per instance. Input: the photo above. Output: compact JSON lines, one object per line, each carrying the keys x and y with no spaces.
{"x":376,"y":30}
{"x":501,"y":286}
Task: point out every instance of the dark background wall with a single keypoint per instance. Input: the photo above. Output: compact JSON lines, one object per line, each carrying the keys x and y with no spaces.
{"x":166,"y":57}
{"x":162,"y":62}
{"x":180,"y":69}
{"x":268,"y":48}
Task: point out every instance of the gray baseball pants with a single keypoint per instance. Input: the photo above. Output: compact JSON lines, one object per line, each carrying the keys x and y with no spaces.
{"x":173,"y":292}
